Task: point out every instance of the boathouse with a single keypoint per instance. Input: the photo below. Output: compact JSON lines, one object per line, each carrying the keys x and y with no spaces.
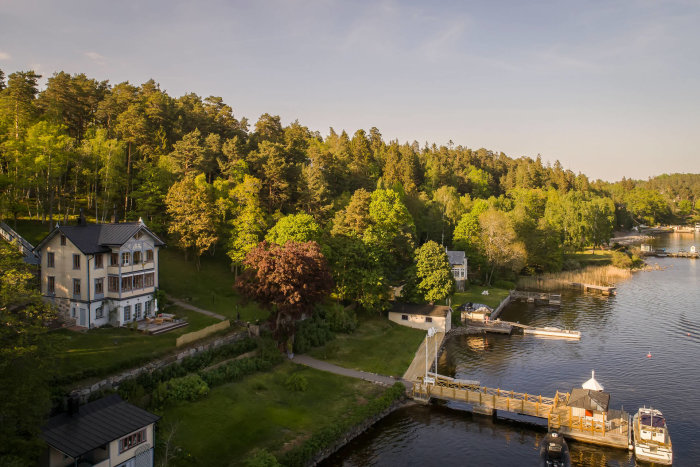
{"x":422,"y":316}
{"x":589,"y":401}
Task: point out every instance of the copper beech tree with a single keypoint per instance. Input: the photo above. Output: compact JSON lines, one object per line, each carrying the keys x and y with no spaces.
{"x":290,"y":279}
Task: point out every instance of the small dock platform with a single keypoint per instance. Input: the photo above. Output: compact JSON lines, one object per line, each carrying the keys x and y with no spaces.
{"x":533,"y":297}
{"x":497,"y":327}
{"x":604,"y":289}
{"x":507,"y":327}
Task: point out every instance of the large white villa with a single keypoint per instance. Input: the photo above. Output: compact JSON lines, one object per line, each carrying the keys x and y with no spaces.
{"x":100,"y":273}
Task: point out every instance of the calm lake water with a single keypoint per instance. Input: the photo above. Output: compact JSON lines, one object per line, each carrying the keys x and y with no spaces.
{"x":653,"y":312}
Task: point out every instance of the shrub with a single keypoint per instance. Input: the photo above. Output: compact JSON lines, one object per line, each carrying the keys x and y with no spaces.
{"x":188,"y":388}
{"x":312,"y":332}
{"x":340,"y":319}
{"x":296,"y":383}
{"x":621,"y":260}
{"x":261,"y":458}
{"x":570,"y":265}
{"x":501,"y":284}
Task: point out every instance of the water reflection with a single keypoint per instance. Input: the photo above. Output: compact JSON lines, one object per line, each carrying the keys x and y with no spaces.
{"x":655,"y":312}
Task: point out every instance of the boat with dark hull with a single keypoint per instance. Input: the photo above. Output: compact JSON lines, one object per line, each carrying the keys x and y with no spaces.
{"x":554,"y":451}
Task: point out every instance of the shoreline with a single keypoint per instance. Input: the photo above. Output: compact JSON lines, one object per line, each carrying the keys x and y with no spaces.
{"x":358,"y":430}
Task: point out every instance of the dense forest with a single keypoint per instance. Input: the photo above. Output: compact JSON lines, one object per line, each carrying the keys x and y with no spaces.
{"x":210,"y":180}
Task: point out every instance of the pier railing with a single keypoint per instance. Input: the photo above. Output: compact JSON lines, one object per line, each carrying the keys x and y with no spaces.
{"x":490,"y":398}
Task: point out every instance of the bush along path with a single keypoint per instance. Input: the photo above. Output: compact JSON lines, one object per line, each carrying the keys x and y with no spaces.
{"x":193,"y":376}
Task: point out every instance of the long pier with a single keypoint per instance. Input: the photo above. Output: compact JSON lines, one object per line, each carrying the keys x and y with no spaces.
{"x":532,"y":297}
{"x":614,"y":432}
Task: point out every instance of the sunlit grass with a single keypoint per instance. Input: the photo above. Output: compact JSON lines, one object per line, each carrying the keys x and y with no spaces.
{"x":210,"y":288}
{"x":377,"y":345}
{"x":259,"y":412}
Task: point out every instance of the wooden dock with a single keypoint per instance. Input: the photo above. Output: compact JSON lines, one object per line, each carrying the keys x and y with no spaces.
{"x":684,"y":254}
{"x":533,"y":297}
{"x":604,"y":289}
{"x":497,"y":327}
{"x":614,"y":432}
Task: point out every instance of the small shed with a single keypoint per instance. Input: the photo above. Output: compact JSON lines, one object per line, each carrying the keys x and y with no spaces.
{"x":476,"y":312}
{"x":422,"y":316}
{"x":589,"y":401}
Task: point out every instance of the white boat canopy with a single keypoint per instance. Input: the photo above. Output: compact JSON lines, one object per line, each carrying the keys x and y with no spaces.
{"x":592,"y":383}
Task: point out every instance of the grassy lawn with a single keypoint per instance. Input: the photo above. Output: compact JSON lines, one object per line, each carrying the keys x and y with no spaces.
{"x":590,"y":257}
{"x":473,"y":294}
{"x":377,"y":345}
{"x":105,"y":350}
{"x":259,"y":412}
{"x":210,"y":288}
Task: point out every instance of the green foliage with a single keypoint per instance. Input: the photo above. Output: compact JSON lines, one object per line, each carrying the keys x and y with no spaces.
{"x":187,"y":388}
{"x":261,"y":458}
{"x":507,"y":285}
{"x":296,"y":382}
{"x":295,"y":228}
{"x":191,"y":205}
{"x":340,"y":318}
{"x":237,"y":369}
{"x":26,"y":357}
{"x":312,"y":332}
{"x":626,"y":260}
{"x":434,"y":272}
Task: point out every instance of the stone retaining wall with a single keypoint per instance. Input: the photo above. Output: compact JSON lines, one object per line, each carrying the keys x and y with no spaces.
{"x":113,"y":382}
{"x":355,"y":432}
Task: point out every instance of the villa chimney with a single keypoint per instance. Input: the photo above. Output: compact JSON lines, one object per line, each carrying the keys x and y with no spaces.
{"x":81,"y":219}
{"x":115,"y":216}
{"x":73,"y":405}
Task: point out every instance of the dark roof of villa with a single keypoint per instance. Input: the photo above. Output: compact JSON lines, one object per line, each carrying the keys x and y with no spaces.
{"x":589,"y":399}
{"x":98,"y":238}
{"x":425,"y":310}
{"x":94,"y":425}
{"x":456,"y":257}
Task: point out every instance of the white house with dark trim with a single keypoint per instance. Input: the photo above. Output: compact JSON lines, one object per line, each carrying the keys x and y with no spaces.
{"x":458,"y":263}
{"x":422,"y":316}
{"x":100,"y":273}
{"x":108,"y":432}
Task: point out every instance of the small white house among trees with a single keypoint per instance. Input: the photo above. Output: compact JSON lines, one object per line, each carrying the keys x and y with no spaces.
{"x":458,"y":263}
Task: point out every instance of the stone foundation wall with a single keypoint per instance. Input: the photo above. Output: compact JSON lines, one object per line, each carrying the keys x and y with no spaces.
{"x":113,"y":382}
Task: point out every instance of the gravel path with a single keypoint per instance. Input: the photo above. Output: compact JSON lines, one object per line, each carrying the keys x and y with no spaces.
{"x":187,"y":306}
{"x":339,"y":370}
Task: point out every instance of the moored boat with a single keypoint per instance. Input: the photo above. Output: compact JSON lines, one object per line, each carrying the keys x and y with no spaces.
{"x":551,"y":331}
{"x":652,"y":442}
{"x":553,"y":451}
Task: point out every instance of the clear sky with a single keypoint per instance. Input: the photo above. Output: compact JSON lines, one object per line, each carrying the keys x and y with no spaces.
{"x":610,"y":88}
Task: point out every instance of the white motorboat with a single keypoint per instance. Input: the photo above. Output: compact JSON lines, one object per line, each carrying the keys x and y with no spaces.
{"x":551,"y":331}
{"x":652,"y":442}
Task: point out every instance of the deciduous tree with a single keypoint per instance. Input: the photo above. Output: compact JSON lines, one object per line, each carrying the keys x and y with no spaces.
{"x":290,"y":279}
{"x":434,"y":272}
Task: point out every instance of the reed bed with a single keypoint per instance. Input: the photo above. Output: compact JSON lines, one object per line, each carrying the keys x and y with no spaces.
{"x":594,"y":275}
